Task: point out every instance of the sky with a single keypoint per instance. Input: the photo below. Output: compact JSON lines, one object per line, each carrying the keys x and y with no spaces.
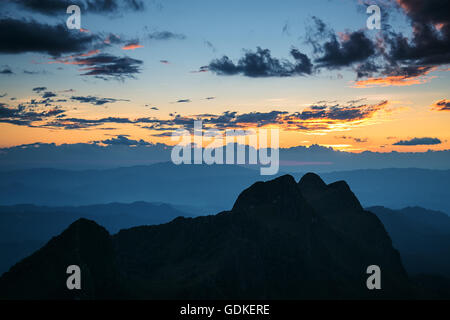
{"x":138,"y":70}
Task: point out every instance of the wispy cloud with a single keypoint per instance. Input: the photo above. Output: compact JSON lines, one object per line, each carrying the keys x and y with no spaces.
{"x":95,"y":100}
{"x":165,"y":35}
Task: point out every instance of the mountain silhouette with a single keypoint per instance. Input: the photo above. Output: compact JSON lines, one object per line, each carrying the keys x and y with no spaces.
{"x":281,"y":240}
{"x":43,"y":274}
{"x":26,"y":228}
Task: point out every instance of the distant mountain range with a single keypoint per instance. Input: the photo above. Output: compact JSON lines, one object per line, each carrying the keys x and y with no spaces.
{"x":281,"y":239}
{"x":398,"y":188}
{"x":26,"y":228}
{"x":422,"y":237}
{"x":210,"y":188}
{"x":123,"y":153}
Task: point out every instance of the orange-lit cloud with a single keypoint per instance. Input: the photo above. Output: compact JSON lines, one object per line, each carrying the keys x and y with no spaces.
{"x":441,"y":105}
{"x":90,"y":53}
{"x":132,"y":46}
{"x":317,"y":120}
{"x":392,"y":81}
{"x":323,"y":119}
{"x":69,"y":59}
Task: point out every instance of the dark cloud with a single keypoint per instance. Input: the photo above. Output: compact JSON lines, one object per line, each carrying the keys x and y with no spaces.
{"x":259,"y":118}
{"x":25,"y":115}
{"x":262,"y":64}
{"x":114,"y":39}
{"x":336,"y":112}
{"x":317,"y":32}
{"x":79,"y":123}
{"x":317,"y":107}
{"x":47,"y":7}
{"x":20,"y":36}
{"x":124,"y":141}
{"x":39,"y":89}
{"x":6,"y":70}
{"x":357,"y":140}
{"x":231,"y":119}
{"x":136,"y":5}
{"x":163,"y":134}
{"x":106,"y":66}
{"x":343,"y":50}
{"x":35,"y":72}
{"x":442,"y":105}
{"x":366,"y":69}
{"x":429,"y":45}
{"x":3,"y":95}
{"x":391,"y":58}
{"x":352,"y":102}
{"x":99,"y":121}
{"x":48,"y":94}
{"x":418,"y":142}
{"x":354,"y":47}
{"x":201,"y":69}
{"x":166,"y":35}
{"x":435,"y":11}
{"x":184,"y":101}
{"x":58,"y":7}
{"x":95,"y":100}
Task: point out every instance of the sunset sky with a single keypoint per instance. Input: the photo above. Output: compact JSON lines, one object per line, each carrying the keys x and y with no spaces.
{"x":310,"y":68}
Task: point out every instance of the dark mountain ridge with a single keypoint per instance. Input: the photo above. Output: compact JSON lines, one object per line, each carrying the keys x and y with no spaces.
{"x":26,"y":228}
{"x":281,"y":240}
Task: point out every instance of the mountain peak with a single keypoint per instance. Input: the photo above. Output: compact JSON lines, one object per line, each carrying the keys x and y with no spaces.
{"x":85,"y":227}
{"x":85,"y":244}
{"x":337,"y":195}
{"x":260,"y":192}
{"x":281,"y":194}
{"x":340,"y":185}
{"x":312,"y":181}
